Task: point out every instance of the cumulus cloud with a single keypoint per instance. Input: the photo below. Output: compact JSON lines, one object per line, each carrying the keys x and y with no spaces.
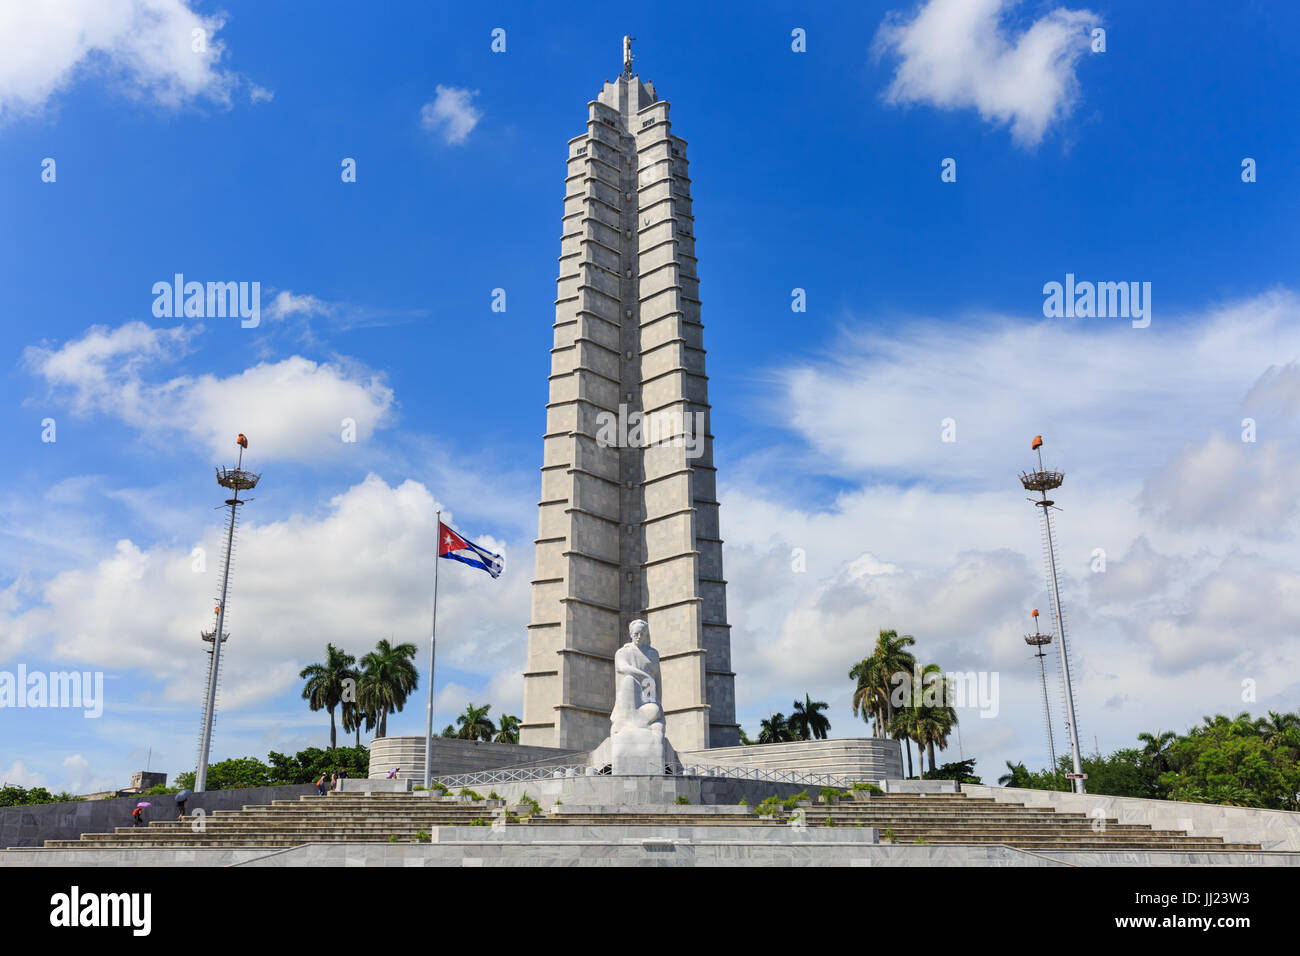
{"x":360,"y":571}
{"x":17,"y":775}
{"x":962,"y":54}
{"x":160,"y":50}
{"x":1223,"y":482}
{"x":935,"y":539}
{"x":451,"y":114}
{"x":293,"y":407}
{"x":1109,"y":386}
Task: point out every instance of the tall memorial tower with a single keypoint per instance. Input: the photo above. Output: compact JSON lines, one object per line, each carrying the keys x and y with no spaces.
{"x":628,"y":517}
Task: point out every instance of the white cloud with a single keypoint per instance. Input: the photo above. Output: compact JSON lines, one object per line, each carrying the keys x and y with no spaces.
{"x":873,"y":407}
{"x":144,"y":47}
{"x":292,"y":409}
{"x":360,"y":571}
{"x":17,"y":775}
{"x":286,"y":304}
{"x":79,"y":778}
{"x":451,"y":114}
{"x":958,"y":54}
{"x":935,"y":539}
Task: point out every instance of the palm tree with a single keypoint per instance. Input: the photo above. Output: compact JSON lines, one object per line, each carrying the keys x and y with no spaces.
{"x":325,"y":684}
{"x":808,"y":720}
{"x":449,"y":731}
{"x":357,"y":718}
{"x":775,"y":730}
{"x":507,"y":730}
{"x":902,"y":726}
{"x":868,"y":698}
{"x":1156,"y":751}
{"x":1018,"y":776}
{"x":877,"y":679}
{"x":388,"y":679}
{"x":474,"y":723}
{"x":933,"y":721}
{"x":1276,"y":727}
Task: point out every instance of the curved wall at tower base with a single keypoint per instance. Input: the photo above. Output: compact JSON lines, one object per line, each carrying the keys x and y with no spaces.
{"x":451,"y":755}
{"x":859,"y":758}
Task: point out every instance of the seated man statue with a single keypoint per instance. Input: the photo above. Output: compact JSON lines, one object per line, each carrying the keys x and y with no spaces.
{"x":637,"y":743}
{"x":636,"y":683}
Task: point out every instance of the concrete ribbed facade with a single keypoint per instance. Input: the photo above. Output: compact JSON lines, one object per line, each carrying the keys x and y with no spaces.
{"x":627,"y":531}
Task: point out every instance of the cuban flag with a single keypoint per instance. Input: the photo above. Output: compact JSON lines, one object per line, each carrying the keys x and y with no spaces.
{"x":451,"y":545}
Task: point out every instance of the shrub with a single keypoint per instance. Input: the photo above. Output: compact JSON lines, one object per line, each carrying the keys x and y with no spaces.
{"x":682,"y":799}
{"x":422,"y":836}
{"x":868,"y":787}
{"x":790,"y":802}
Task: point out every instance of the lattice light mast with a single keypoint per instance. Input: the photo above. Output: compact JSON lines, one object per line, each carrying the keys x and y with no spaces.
{"x":209,"y":637}
{"x":1037,"y":640}
{"x":237,"y":480}
{"x":1043,"y":481}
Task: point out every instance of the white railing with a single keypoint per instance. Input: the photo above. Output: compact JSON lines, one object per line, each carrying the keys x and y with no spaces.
{"x":511,"y":775}
{"x":770,"y":776}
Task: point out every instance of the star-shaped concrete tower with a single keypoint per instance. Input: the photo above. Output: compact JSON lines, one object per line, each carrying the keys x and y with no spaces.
{"x":628,"y":524}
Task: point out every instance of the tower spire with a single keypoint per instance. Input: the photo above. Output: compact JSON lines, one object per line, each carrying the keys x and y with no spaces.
{"x":628,"y":56}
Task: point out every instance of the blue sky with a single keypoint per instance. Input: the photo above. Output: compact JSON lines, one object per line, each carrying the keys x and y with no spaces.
{"x":817,"y":170}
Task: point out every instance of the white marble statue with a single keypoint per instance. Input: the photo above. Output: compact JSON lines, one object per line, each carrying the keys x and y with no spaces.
{"x":636,"y":683}
{"x":636,"y":742}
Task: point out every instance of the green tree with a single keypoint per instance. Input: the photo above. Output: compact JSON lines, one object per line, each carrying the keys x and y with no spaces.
{"x":960,"y":770}
{"x":878,"y":677}
{"x":356,"y":718}
{"x":775,"y":730}
{"x":507,"y":730}
{"x":232,"y":774}
{"x":1237,"y":761}
{"x":474,"y":723}
{"x":934,"y":718}
{"x":1155,"y":750}
{"x":1016,"y":776}
{"x":326,"y":682}
{"x":902,"y":726}
{"x":387,"y":679}
{"x":1280,"y":730}
{"x":307,"y":765}
{"x":15,"y":796}
{"x":808,"y":721}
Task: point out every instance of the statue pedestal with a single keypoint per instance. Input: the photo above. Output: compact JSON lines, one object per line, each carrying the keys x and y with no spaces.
{"x":635,"y":750}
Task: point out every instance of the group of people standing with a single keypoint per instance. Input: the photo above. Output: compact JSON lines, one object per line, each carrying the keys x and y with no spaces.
{"x":324,"y":784}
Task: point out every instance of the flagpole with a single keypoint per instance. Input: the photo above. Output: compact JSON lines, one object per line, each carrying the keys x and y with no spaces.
{"x":433,"y":643}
